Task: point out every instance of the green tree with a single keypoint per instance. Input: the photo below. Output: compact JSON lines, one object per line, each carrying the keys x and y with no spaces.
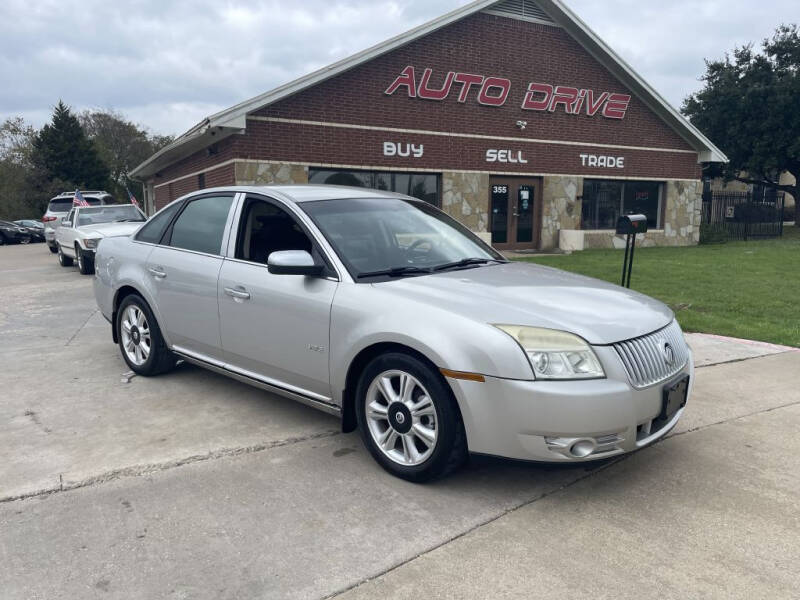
{"x":750,"y":107}
{"x":16,"y":144}
{"x":63,"y":154}
{"x":122,"y":145}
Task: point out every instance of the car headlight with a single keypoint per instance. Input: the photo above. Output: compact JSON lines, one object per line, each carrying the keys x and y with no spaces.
{"x":91,"y":242}
{"x":556,"y":354}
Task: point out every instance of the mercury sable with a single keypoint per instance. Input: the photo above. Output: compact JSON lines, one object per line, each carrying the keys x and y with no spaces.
{"x":384,"y":311}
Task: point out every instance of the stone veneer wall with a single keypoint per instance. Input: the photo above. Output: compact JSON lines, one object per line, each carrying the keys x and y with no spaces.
{"x":681,"y":225}
{"x":561,"y":208}
{"x":261,"y":173}
{"x":465,"y":197}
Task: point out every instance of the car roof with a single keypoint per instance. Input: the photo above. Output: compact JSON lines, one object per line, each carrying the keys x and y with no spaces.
{"x":92,"y":193}
{"x":103,"y":206}
{"x":307,"y":192}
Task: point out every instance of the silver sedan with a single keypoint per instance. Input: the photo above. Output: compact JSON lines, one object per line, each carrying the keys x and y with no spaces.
{"x":384,"y":311}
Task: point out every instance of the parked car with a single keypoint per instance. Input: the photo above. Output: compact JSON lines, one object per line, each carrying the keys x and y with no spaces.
{"x":83,"y":228}
{"x":11,"y":233}
{"x":386,"y":312}
{"x":35,"y":229}
{"x":59,"y":207}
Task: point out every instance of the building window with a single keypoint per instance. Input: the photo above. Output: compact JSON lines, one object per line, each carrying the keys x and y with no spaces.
{"x":201,"y":181}
{"x":605,"y":200}
{"x":424,"y":186}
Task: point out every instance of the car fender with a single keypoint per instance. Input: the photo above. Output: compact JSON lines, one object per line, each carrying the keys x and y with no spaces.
{"x":448,"y":340}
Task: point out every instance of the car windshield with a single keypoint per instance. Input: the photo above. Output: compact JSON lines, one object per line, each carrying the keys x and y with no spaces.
{"x":109,"y":214}
{"x":394,"y":237}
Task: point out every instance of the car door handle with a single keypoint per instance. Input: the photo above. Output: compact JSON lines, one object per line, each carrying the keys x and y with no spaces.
{"x":238,"y":293}
{"x":157,"y":272}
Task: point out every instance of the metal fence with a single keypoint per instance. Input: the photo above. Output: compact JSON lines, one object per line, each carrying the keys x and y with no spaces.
{"x":742,"y":215}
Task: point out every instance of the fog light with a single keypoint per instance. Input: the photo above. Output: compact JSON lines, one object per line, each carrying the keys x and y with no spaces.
{"x":582,"y":448}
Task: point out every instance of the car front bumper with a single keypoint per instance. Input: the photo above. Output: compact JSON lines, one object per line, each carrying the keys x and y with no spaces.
{"x":544,"y":420}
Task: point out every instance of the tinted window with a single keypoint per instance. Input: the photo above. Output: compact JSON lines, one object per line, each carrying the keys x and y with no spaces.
{"x":266,"y":228}
{"x":154,"y":230}
{"x":60,"y":205}
{"x":201,"y":225}
{"x":424,"y":186}
{"x":605,"y":200}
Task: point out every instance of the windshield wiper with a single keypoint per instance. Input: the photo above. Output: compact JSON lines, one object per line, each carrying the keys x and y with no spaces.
{"x":395,"y":272}
{"x":467,"y":262}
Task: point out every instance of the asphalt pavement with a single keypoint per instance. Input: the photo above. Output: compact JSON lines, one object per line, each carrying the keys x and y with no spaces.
{"x":191,"y":485}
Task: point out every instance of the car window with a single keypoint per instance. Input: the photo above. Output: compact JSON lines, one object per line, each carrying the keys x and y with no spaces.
{"x":60,"y":205}
{"x":374,"y":234}
{"x":201,"y":224}
{"x":154,"y":230}
{"x":109,"y":214}
{"x":71,"y":216}
{"x":266,"y":228}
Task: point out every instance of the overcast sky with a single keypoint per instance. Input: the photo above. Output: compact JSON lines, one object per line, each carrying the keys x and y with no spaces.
{"x":167,"y":64}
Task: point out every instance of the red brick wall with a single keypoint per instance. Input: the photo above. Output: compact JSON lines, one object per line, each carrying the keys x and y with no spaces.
{"x":483,"y":44}
{"x":313,"y":144}
{"x":488,"y":45}
{"x":220,"y":176}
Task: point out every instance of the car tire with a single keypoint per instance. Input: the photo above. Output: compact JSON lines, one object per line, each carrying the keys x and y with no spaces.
{"x":63,"y":259}
{"x":2,"y":240}
{"x":52,"y":249}
{"x":85,"y":263}
{"x":135,"y":325}
{"x":409,"y":419}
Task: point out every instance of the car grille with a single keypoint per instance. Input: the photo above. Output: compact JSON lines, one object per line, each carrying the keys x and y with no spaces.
{"x":645,"y":358}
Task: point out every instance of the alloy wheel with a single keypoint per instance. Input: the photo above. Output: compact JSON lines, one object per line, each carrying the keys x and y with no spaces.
{"x":401,"y":417}
{"x":135,"y":333}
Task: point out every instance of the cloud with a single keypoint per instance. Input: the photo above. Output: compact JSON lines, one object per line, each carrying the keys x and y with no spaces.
{"x":169,"y":64}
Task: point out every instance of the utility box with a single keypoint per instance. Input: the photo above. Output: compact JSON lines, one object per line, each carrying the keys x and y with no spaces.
{"x":631,"y":224}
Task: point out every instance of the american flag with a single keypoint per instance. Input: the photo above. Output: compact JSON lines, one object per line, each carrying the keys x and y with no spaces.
{"x":132,"y":198}
{"x":79,"y":200}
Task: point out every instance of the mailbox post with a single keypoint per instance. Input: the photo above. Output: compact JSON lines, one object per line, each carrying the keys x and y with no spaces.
{"x":630,"y":225}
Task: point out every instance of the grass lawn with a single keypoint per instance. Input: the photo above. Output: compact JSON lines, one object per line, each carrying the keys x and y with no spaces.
{"x":742,"y":289}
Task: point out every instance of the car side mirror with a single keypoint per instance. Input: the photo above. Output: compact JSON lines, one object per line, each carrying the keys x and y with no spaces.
{"x":293,"y":262}
{"x":65,"y":223}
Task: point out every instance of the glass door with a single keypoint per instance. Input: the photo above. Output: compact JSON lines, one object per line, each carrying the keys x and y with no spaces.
{"x":514,"y":211}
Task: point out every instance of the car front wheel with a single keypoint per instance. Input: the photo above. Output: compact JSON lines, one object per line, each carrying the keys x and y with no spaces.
{"x":63,"y":259}
{"x":85,"y":263}
{"x":409,"y":419}
{"x":140,"y":340}
{"x":52,"y":249}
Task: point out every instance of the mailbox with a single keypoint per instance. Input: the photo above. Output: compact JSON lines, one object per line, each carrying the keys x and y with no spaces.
{"x":631,"y":224}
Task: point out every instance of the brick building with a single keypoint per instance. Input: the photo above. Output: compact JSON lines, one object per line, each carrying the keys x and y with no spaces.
{"x":511,"y":116}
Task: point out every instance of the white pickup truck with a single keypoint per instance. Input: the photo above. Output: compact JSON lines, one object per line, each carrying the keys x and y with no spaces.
{"x":83,"y":228}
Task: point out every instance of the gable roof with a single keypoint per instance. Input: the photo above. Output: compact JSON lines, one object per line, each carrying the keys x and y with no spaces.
{"x":553,"y":12}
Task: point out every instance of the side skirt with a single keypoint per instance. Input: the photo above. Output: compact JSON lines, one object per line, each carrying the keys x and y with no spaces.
{"x":331,"y":409}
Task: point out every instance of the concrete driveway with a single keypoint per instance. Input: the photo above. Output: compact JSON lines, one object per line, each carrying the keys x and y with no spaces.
{"x":190,"y":485}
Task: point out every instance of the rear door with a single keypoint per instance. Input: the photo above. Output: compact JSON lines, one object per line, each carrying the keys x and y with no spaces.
{"x":184,"y":271}
{"x":66,"y":235}
{"x":276,"y":327}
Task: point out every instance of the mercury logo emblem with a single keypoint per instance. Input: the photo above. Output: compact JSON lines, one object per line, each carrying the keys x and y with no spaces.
{"x":400,"y":417}
{"x":669,"y":353}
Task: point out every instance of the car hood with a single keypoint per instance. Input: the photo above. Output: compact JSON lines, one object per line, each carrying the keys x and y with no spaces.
{"x":538,"y":296}
{"x":110,"y":229}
